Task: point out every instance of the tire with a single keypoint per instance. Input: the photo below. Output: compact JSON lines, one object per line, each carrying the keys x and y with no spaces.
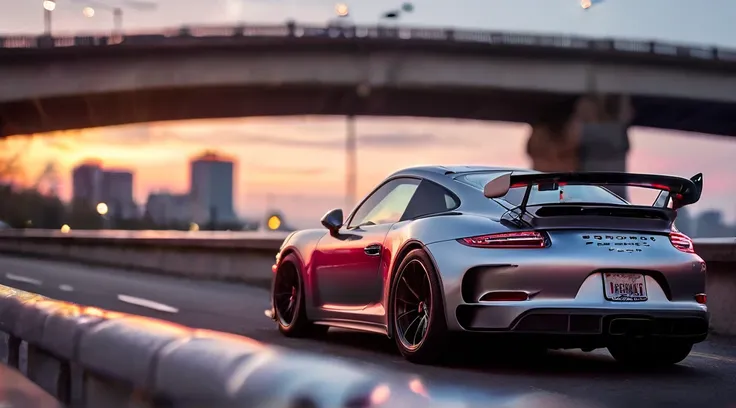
{"x":650,"y":355}
{"x":287,"y":297}
{"x":429,"y":309}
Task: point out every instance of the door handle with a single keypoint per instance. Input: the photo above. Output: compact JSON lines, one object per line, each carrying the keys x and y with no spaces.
{"x":372,"y":250}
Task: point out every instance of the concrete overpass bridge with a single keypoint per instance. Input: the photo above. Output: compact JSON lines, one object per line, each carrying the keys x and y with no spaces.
{"x":63,"y":83}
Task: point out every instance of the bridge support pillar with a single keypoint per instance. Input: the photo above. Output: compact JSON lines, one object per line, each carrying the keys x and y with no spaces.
{"x":594,"y":137}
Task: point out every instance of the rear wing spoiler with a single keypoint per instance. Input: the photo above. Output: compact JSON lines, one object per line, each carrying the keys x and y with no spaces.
{"x":682,"y":191}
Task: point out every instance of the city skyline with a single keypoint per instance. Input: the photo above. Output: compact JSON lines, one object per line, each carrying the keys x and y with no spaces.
{"x":209,"y":197}
{"x":299,"y":161}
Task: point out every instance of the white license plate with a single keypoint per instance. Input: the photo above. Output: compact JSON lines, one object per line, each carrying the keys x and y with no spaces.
{"x":625,"y":287}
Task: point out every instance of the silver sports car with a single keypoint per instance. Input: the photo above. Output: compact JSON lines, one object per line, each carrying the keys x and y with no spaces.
{"x":555,"y":258}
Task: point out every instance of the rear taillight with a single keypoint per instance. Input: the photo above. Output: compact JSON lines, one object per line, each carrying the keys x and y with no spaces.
{"x":521,"y":239}
{"x":682,"y":242}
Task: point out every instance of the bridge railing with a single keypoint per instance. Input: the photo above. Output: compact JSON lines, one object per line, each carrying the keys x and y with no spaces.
{"x":87,"y":357}
{"x":170,"y":36}
{"x":248,"y":256}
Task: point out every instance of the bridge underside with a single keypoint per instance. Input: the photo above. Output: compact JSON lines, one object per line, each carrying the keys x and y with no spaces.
{"x":86,"y":111}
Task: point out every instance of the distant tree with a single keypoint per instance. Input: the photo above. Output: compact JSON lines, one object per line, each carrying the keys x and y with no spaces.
{"x":10,"y":159}
{"x":82,"y":215}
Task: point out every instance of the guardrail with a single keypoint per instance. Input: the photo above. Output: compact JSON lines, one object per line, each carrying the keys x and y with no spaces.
{"x":88,"y":357}
{"x":247,"y":257}
{"x":229,"y":256}
{"x":172,"y":36}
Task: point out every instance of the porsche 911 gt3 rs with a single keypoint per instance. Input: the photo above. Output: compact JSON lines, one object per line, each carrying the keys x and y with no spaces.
{"x":555,"y":258}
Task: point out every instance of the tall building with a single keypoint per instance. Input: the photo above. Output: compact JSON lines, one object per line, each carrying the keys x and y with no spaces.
{"x":211,"y":188}
{"x":165,"y":208}
{"x":117,"y":193}
{"x":87,"y":183}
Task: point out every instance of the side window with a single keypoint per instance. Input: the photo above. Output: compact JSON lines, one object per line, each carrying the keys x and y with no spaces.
{"x":450,"y":202}
{"x":431,"y":198}
{"x":387,"y":204}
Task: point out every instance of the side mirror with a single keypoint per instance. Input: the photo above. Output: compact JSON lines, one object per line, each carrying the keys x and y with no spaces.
{"x":333,"y":220}
{"x":498,"y":187}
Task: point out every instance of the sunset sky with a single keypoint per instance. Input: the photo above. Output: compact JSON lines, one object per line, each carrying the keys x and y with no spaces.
{"x":300,"y":161}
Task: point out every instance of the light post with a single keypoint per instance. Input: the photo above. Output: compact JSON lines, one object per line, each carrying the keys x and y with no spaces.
{"x":102,"y":209}
{"x":342,"y":10}
{"x":117,"y":17}
{"x":117,"y":11}
{"x":588,"y":4}
{"x":48,"y":7}
{"x":351,"y":151}
{"x":396,"y":14}
{"x":362,"y":91}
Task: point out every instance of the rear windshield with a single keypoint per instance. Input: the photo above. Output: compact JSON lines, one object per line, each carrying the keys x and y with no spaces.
{"x":565,"y":194}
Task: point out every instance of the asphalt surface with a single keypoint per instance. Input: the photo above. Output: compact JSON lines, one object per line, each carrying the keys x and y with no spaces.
{"x":707,"y":378}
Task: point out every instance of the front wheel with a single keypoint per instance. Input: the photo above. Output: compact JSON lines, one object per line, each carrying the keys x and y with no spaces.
{"x":417,"y":310}
{"x":288,"y":301}
{"x":650,"y":355}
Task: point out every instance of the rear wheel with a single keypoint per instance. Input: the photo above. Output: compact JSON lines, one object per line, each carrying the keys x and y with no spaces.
{"x":288,"y":301}
{"x":417,"y":311}
{"x":649,"y":354}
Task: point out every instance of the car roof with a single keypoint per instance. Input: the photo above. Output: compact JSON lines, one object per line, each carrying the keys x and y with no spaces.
{"x":448,"y":170}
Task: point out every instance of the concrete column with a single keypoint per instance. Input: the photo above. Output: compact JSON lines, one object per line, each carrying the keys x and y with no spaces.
{"x":593,"y":138}
{"x":604,"y":139}
{"x":553,"y":148}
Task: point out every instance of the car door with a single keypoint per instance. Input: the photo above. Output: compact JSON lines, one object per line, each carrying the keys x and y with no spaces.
{"x":347,"y":265}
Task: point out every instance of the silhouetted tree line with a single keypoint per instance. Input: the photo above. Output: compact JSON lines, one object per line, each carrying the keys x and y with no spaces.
{"x":30,"y":209}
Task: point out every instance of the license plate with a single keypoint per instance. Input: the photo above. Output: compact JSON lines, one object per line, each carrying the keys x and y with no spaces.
{"x":625,"y":287}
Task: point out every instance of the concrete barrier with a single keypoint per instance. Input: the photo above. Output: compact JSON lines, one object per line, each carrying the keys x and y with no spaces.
{"x":88,"y":357}
{"x":247,"y":257}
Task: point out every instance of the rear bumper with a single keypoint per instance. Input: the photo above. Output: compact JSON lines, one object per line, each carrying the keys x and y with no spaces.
{"x":690,"y":325}
{"x":566,"y":291}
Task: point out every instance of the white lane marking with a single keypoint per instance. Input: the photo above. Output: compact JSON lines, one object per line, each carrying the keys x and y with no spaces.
{"x":709,"y":356}
{"x":147,"y":303}
{"x":66,"y":288}
{"x":24,"y":279}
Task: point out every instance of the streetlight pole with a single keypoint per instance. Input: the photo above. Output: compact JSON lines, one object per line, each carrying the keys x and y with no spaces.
{"x":351,"y":163}
{"x":47,"y":22}
{"x":117,"y":20}
{"x":342,"y":11}
{"x":117,"y":11}
{"x":395,"y":14}
{"x":48,"y":7}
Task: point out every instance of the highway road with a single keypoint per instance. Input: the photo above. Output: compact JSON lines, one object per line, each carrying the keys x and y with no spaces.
{"x":707,"y":378}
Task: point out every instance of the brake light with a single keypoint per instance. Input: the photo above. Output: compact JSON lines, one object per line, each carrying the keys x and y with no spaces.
{"x":682,"y":242}
{"x":520,"y":239}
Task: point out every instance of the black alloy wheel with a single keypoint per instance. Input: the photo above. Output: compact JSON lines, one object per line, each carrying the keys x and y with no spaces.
{"x":417,"y":310}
